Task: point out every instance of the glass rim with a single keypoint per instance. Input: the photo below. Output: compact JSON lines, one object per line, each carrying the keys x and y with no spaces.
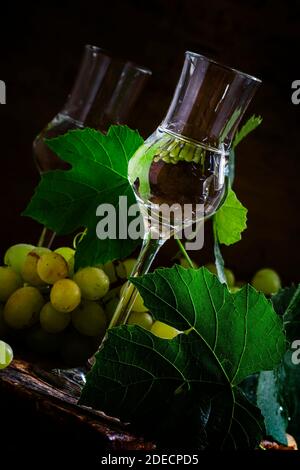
{"x":97,"y":49}
{"x":226,"y":67}
{"x":140,"y":68}
{"x":123,"y":62}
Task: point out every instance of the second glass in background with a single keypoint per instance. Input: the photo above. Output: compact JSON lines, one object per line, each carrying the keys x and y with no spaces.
{"x":104,"y":93}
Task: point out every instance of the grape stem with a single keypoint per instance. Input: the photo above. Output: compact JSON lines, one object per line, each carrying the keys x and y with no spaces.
{"x":78,"y":238}
{"x":42,"y":239}
{"x":184,"y":253}
{"x":51,"y":240}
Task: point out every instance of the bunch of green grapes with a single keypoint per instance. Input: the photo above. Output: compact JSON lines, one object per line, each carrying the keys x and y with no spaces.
{"x":63,"y":313}
{"x":60,"y":313}
{"x":43,"y":301}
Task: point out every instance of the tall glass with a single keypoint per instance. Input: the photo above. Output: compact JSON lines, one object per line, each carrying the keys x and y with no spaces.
{"x":104,"y":93}
{"x":185,"y":161}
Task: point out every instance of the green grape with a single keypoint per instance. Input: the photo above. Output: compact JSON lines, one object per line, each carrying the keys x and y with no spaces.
{"x":110,"y":271}
{"x":143,"y":319}
{"x":52,"y":267}
{"x":29,"y":269}
{"x":41,"y":250}
{"x":76,"y":349}
{"x":164,"y":331}
{"x":53,"y":321}
{"x":230,"y":279}
{"x":89,"y":318}
{"x":138,"y":304}
{"x":129,"y":265}
{"x":65,"y":295}
{"x":266,"y":281}
{"x":185,"y":264}
{"x":234,"y":289}
{"x":93,"y":283}
{"x":212,"y":268}
{"x":42,"y":342}
{"x":120,"y":270}
{"x":6,"y":355}
{"x":111,"y":294}
{"x":125,"y":268}
{"x":16,"y":254}
{"x":69,"y":255}
{"x":9,"y":282}
{"x":23,"y":307}
{"x":110,"y":307}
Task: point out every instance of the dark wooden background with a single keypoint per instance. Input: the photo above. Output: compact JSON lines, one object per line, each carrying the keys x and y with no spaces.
{"x":40,"y":46}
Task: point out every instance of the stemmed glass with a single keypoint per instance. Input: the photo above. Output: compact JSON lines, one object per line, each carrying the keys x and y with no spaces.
{"x":104,"y":93}
{"x":185,"y":161}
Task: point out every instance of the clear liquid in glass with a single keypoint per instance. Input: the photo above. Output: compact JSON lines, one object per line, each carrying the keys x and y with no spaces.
{"x":175,"y":170}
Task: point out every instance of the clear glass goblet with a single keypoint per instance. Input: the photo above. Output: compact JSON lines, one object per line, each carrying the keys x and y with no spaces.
{"x":185,"y":161}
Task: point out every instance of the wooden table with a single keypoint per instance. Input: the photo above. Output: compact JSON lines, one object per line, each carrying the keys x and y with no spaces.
{"x":33,"y":407}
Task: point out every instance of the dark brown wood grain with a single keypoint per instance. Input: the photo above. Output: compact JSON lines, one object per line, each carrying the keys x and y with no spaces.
{"x":26,"y":384}
{"x":55,"y":401}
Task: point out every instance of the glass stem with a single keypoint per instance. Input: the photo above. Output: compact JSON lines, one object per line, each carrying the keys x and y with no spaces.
{"x":148,"y":252}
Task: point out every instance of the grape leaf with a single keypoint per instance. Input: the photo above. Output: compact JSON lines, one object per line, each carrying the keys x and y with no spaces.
{"x":271,"y":404}
{"x":139,"y":377}
{"x":287,"y":391}
{"x":230,"y":220}
{"x":277,"y":390}
{"x":286,"y":302}
{"x":67,"y":200}
{"x":138,"y":167}
{"x":291,"y":317}
{"x":282,"y":299}
{"x":248,"y":127}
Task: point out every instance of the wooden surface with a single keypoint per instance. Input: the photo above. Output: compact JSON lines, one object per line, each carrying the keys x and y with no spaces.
{"x":49,"y":402}
{"x":55,"y":409}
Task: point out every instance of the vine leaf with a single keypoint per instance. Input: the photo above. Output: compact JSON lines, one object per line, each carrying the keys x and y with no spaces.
{"x":65,"y":201}
{"x":140,"y":377}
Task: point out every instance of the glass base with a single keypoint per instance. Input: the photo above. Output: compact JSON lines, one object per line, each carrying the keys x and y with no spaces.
{"x":69,"y":381}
